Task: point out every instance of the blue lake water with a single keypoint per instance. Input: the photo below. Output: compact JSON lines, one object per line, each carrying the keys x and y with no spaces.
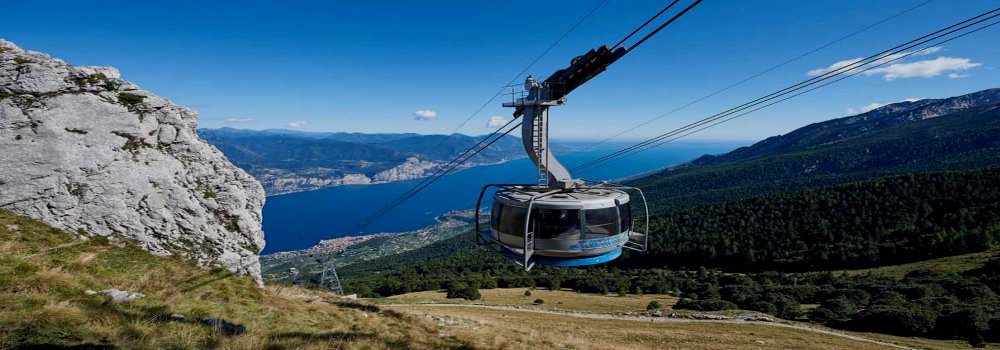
{"x":300,"y":220}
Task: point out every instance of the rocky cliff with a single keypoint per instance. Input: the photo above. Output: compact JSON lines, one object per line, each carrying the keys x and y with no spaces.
{"x":84,"y":151}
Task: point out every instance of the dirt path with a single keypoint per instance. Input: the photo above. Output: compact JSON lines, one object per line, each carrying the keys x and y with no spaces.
{"x":661,"y":319}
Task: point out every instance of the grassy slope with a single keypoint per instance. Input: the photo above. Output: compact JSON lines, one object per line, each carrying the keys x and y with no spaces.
{"x":957,"y":263}
{"x":525,"y":328}
{"x":44,"y":273}
{"x":554,"y":300}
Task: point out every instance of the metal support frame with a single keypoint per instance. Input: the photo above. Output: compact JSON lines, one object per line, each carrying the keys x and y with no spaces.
{"x":335,"y":285}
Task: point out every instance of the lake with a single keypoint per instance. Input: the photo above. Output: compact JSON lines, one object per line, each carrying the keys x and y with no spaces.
{"x":300,"y":220}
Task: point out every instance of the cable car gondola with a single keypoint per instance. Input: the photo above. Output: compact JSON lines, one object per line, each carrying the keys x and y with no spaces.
{"x":559,"y":220}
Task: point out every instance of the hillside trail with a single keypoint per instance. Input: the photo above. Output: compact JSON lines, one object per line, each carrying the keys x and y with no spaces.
{"x":663,"y":319}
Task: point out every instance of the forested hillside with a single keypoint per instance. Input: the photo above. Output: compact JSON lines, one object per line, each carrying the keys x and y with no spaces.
{"x":929,"y":135}
{"x":877,"y":222}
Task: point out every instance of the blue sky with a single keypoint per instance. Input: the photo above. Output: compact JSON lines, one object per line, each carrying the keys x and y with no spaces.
{"x":409,"y":66}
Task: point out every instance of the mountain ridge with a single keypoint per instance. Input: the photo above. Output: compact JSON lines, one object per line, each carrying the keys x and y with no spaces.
{"x":955,"y":133}
{"x":287,"y":161}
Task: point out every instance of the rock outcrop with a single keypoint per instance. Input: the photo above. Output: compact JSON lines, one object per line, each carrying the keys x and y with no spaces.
{"x":84,"y":151}
{"x":413,"y":168}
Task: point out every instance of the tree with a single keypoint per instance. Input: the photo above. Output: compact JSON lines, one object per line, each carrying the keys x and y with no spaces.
{"x":833,"y":311}
{"x":785,"y":307}
{"x":461,"y":290}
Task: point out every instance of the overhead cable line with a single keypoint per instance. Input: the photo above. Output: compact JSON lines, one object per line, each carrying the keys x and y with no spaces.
{"x":782,"y":64}
{"x":891,"y":54}
{"x":664,"y":25}
{"x":519,"y":74}
{"x":443,"y":170}
{"x":424,"y":184}
{"x":465,"y":156}
{"x":645,"y":24}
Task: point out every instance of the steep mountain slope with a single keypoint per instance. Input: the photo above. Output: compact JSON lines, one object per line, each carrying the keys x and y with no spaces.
{"x":291,"y":161}
{"x":84,"y":151}
{"x":45,"y":275}
{"x":928,"y":135}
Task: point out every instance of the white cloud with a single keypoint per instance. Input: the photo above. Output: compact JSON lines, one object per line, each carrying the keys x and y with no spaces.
{"x":833,"y":67}
{"x":924,"y":69}
{"x":424,"y":114}
{"x":496,"y":122}
{"x":297,"y":124}
{"x":957,"y":76}
{"x":237,"y":120}
{"x":845,"y":63}
{"x":874,"y":105}
{"x":865,"y":108}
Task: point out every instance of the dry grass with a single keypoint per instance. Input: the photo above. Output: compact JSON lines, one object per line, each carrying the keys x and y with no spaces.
{"x":44,"y":273}
{"x":596,"y":328}
{"x":562,"y":300}
{"x":957,"y":263}
{"x":511,"y":329}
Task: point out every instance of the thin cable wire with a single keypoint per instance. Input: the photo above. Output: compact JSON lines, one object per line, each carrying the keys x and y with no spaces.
{"x":519,"y":74}
{"x":645,"y":24}
{"x":664,"y":25}
{"x":796,"y":95}
{"x":440,"y":172}
{"x":453,"y":164}
{"x":879,"y":56}
{"x":480,"y":109}
{"x":741,"y":82}
{"x":883,"y":56}
{"x":434,"y":179}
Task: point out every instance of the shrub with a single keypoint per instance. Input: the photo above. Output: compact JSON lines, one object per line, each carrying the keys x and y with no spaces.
{"x":527,"y":293}
{"x":130,"y":101}
{"x":653,"y":305}
{"x":488,"y":283}
{"x":785,"y":307}
{"x":460,"y":290}
{"x":833,"y":310}
{"x":539,"y":302}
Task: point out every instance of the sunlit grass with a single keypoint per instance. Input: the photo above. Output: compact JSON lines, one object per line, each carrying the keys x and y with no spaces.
{"x":554,"y":300}
{"x":957,"y":263}
{"x":44,"y":273}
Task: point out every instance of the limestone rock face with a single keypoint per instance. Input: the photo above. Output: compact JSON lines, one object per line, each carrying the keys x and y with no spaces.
{"x":84,"y":151}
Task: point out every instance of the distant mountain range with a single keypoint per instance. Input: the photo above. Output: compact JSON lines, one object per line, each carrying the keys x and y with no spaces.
{"x":955,"y":133}
{"x":286,"y":161}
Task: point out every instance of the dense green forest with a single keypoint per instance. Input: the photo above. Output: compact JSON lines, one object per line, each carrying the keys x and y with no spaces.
{"x":877,"y":222}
